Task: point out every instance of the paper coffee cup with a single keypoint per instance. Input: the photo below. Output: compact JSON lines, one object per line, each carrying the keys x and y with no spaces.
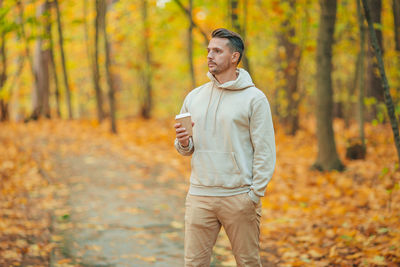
{"x":186,"y":120}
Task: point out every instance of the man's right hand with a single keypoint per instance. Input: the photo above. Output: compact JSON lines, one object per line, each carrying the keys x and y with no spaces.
{"x":181,"y":134}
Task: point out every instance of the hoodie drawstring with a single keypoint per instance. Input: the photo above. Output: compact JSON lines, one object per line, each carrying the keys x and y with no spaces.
{"x":208,"y":106}
{"x":243,"y":81}
{"x":216,"y":110}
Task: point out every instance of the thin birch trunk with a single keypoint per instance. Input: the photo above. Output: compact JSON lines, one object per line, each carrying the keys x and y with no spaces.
{"x":147,"y":94}
{"x":63,"y":60}
{"x":385,"y":83}
{"x":234,"y":5}
{"x":53,"y":63}
{"x":361,"y":83}
{"x":95,"y":64}
{"x":4,"y":114}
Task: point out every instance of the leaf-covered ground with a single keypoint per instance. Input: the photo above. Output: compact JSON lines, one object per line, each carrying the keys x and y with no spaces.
{"x":309,"y":218}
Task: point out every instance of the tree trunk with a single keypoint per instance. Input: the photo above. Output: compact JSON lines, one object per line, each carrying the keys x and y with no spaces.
{"x":4,"y":114}
{"x":396,"y":20}
{"x":110,"y":78}
{"x":234,"y":5}
{"x":63,"y":60}
{"x":95,"y":64}
{"x":26,"y":40}
{"x":53,"y":62}
{"x":327,"y":158}
{"x":147,"y":97}
{"x":361,"y":83}
{"x":243,"y":31}
{"x":244,"y":19}
{"x":348,"y":104}
{"x":373,"y":81}
{"x":385,"y":83}
{"x":190,"y":44}
{"x":41,"y":59}
{"x":290,"y":69}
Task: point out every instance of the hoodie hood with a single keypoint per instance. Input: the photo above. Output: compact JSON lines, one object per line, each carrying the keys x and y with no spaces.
{"x":243,"y":81}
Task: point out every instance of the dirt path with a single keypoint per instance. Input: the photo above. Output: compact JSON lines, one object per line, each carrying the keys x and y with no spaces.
{"x":119,"y":219}
{"x":118,"y":216}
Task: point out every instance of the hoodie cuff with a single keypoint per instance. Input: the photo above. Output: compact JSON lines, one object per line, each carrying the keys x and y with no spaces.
{"x":186,"y":148}
{"x":254,"y":197}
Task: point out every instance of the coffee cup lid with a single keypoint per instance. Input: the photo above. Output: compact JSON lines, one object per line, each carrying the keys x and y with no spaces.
{"x":183,"y":115}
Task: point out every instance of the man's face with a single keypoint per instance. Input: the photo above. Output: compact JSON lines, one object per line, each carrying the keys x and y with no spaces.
{"x":220,"y":57}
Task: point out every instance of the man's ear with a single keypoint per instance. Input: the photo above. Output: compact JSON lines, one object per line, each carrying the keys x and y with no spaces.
{"x":235,"y":57}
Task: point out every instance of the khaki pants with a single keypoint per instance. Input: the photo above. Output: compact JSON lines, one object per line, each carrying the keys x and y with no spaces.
{"x":239,"y":216}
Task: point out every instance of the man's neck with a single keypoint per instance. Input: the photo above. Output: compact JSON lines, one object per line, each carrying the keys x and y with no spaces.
{"x":229,"y":75}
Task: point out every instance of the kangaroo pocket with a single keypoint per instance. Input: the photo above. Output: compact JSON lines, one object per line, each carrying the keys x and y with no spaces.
{"x":215,"y":168}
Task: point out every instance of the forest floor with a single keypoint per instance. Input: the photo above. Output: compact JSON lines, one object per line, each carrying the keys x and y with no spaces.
{"x":72,"y":194}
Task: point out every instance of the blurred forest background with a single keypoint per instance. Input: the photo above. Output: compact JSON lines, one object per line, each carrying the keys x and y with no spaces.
{"x":111,"y":69}
{"x":90,"y":59}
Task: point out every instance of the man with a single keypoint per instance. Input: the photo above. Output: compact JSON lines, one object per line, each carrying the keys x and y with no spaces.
{"x":233,"y":147}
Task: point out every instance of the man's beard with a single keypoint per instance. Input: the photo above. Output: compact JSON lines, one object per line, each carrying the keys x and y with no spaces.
{"x":217,"y":69}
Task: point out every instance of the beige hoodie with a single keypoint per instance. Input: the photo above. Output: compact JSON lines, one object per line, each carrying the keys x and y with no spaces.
{"x":233,"y":143}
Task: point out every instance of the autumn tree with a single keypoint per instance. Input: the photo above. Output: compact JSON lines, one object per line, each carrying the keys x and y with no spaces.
{"x":25,"y":40}
{"x":3,"y":72}
{"x":396,"y":25}
{"x":195,"y":25}
{"x":52,"y":58}
{"x":63,"y":59}
{"x":16,"y":27}
{"x":289,"y":61}
{"x":190,"y":43}
{"x":188,"y":11}
{"x":385,"y":84}
{"x":240,"y":28}
{"x":396,"y":22}
{"x":95,"y":58}
{"x":146,"y":104}
{"x":108,"y":67}
{"x":327,"y":158}
{"x":373,"y":81}
{"x":41,"y":60}
{"x":360,"y":68}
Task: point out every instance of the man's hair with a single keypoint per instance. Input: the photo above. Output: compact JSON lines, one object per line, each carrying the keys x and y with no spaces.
{"x":235,"y":40}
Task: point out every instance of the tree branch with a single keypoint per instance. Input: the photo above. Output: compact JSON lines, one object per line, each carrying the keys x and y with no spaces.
{"x":184,"y":9}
